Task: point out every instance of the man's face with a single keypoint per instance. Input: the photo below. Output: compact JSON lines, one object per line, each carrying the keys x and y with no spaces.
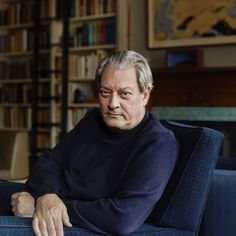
{"x":122,"y":105}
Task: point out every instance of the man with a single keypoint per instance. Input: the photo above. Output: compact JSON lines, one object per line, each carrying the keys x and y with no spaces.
{"x":107,"y":173}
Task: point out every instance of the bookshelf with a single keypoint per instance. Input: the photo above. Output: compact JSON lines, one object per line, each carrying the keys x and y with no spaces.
{"x":31,"y":61}
{"x":17,"y":38}
{"x":15,"y":65}
{"x":93,"y":32}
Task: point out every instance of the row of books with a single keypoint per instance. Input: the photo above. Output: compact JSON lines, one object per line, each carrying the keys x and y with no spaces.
{"x":15,"y":117}
{"x":16,"y":13}
{"x":16,"y":41}
{"x":80,"y":8}
{"x":20,"y":117}
{"x":21,"y":93}
{"x":84,"y":66}
{"x":94,"y":33}
{"x":23,"y":40}
{"x":74,"y":116}
{"x":20,"y":69}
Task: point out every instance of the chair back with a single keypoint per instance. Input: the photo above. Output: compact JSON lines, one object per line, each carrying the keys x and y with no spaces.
{"x":184,"y":199}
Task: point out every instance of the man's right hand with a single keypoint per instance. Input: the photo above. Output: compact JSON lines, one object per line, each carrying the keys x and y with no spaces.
{"x":50,"y":215}
{"x":22,"y":204}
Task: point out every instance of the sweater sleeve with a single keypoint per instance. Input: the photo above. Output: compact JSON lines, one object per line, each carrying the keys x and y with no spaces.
{"x":46,"y":174}
{"x":144,"y":184}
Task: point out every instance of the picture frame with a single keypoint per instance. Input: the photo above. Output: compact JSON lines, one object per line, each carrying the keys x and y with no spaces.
{"x":183,"y":24}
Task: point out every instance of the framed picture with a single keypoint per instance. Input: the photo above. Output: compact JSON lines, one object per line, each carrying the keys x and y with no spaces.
{"x":188,"y":23}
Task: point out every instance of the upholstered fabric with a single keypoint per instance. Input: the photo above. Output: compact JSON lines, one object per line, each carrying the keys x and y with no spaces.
{"x":180,"y":210}
{"x":22,"y":227}
{"x":220,"y":212}
{"x":199,"y":149}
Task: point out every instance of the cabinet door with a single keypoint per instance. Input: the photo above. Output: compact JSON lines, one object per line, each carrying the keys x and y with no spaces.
{"x":202,"y":91}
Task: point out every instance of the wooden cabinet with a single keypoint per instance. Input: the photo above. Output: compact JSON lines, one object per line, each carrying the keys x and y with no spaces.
{"x":194,"y":87}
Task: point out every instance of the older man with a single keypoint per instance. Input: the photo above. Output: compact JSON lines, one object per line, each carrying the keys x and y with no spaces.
{"x":108,"y":173}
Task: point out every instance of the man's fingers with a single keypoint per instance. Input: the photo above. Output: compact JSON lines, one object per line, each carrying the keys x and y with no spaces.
{"x":36,"y":226}
{"x":50,"y":227}
{"x":14,"y":195}
{"x":58,"y":226}
{"x":65,"y":219}
{"x":43,"y":228}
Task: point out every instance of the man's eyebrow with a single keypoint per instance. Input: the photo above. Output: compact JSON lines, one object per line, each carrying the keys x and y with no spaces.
{"x":126,"y":88}
{"x":105,"y":88}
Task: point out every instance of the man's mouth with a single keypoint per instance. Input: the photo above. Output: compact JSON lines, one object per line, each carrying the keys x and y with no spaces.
{"x":112,"y":114}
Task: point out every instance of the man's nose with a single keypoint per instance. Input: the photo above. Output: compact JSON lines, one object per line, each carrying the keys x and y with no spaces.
{"x":114,"y":102}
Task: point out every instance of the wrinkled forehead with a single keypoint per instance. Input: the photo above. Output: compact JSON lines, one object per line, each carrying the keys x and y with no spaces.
{"x":122,"y":76}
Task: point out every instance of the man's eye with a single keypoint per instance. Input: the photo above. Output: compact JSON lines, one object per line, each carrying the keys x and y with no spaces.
{"x":104,"y":93}
{"x":125,"y":94}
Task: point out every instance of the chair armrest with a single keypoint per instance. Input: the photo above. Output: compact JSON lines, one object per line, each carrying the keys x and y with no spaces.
{"x":11,"y":225}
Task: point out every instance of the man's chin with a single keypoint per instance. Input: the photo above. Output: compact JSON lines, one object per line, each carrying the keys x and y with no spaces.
{"x":115,"y":126}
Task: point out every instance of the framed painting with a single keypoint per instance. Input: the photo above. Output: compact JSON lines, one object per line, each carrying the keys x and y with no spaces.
{"x":188,"y":23}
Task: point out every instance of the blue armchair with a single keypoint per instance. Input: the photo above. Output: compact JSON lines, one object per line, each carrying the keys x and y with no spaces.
{"x":181,"y":207}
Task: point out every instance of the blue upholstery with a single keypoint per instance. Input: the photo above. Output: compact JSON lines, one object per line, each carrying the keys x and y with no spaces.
{"x":180,"y":209}
{"x":220,"y":213}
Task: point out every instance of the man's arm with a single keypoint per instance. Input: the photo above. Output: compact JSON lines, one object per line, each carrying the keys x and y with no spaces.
{"x":127,"y":209}
{"x":46,"y":174}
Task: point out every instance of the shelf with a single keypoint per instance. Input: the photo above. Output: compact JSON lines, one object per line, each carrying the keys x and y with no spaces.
{"x":17,"y":26}
{"x":79,"y":80}
{"x":92,"y":48}
{"x":22,"y":81}
{"x":224,"y":114}
{"x":92,"y":17}
{"x":21,"y":105}
{"x":83,"y":105}
{"x":16,"y":81}
{"x":15,"y":129}
{"x":15,"y":54}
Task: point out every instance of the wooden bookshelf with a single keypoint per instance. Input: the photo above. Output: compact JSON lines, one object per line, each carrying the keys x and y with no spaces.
{"x":94,"y":32}
{"x":91,"y":20}
{"x":16,"y":58}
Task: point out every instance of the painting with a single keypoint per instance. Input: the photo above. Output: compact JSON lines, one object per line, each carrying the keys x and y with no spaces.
{"x":188,"y":23}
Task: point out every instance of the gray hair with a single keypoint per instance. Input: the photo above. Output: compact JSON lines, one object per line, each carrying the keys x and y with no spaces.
{"x":126,"y":58}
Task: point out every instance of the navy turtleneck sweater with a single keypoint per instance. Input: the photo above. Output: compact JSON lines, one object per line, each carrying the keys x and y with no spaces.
{"x":108,"y":181}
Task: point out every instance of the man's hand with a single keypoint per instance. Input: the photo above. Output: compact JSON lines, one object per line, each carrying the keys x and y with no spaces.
{"x":22,"y":204}
{"x":50,"y":215}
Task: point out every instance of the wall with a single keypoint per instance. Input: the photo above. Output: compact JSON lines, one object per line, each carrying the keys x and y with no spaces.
{"x":213,"y":56}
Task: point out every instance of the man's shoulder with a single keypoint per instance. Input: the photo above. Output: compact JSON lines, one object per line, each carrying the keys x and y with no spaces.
{"x":155,"y":125}
{"x":155,"y":130}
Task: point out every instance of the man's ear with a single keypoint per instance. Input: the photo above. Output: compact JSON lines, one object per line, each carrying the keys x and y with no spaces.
{"x":146,"y":96}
